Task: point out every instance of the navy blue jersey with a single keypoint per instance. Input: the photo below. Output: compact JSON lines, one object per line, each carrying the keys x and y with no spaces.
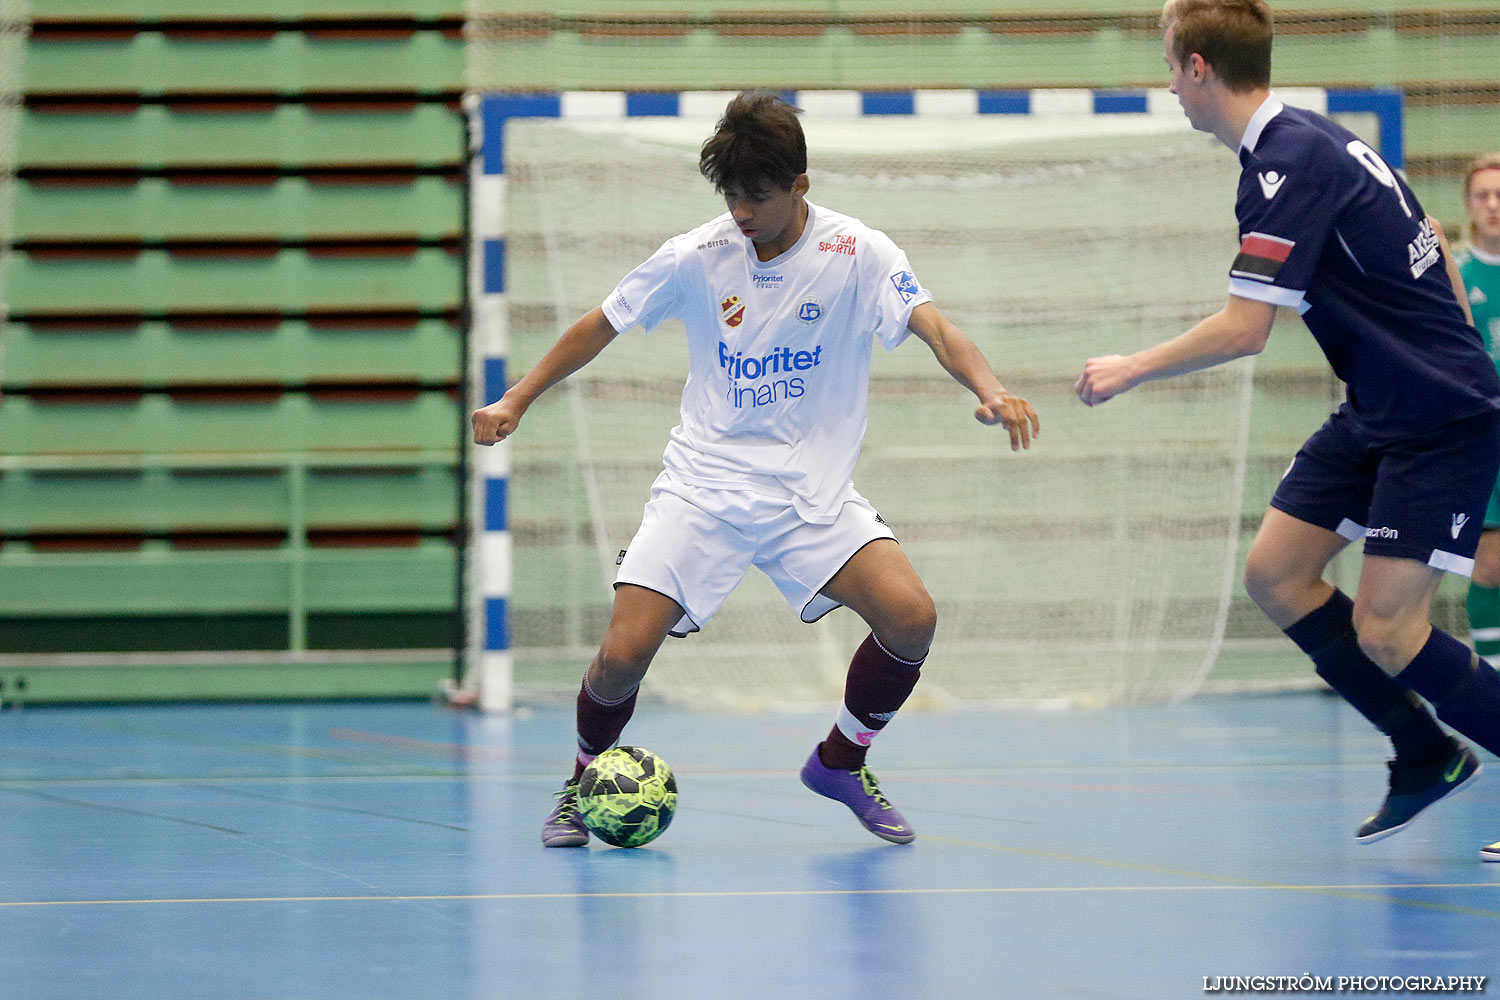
{"x":1326,"y":226}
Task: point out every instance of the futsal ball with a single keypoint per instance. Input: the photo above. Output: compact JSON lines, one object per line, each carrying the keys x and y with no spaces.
{"x":627,"y":796}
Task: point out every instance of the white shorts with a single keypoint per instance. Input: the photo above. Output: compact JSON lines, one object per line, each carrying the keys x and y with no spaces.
{"x":696,"y":544}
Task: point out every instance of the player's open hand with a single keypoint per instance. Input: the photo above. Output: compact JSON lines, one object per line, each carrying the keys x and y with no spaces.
{"x":496,"y":422}
{"x":1104,"y":378}
{"x":1015,"y":413}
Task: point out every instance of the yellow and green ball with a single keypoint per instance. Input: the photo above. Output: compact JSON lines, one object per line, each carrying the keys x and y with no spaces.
{"x":627,"y":796}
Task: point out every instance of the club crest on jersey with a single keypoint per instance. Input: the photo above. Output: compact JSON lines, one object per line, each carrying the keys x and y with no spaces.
{"x":810,"y":311}
{"x":732,"y":311}
{"x":906,"y":285}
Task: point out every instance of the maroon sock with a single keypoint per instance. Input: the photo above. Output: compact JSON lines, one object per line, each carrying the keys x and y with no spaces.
{"x":876,"y":686}
{"x":599,"y":723}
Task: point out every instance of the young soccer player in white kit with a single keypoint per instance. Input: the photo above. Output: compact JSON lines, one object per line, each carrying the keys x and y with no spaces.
{"x":781,"y":300}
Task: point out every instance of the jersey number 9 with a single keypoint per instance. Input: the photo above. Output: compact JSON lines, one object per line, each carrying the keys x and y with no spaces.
{"x":1378,"y":169}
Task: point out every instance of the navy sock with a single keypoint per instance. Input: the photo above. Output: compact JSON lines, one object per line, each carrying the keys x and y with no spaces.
{"x":1463,"y":688}
{"x":1327,"y":636}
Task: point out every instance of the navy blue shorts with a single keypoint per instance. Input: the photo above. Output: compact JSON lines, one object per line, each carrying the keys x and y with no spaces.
{"x":1421,"y":498}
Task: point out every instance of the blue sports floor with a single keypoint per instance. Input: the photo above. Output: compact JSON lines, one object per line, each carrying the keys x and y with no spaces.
{"x":390,"y":851}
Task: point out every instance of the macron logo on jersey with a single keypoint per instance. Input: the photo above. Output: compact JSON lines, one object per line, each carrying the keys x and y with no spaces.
{"x":1261,"y":256}
{"x":1270,"y":183}
{"x":906,"y":285}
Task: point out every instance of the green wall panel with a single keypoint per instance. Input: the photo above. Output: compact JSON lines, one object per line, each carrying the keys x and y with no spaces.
{"x":220,"y":498}
{"x":211,"y":680}
{"x":292,"y":134}
{"x":291,"y":207}
{"x":427,"y":421}
{"x":157,"y":354}
{"x":142,"y":9}
{"x":155,"y":280}
{"x":157,"y":580}
{"x":286,"y":61}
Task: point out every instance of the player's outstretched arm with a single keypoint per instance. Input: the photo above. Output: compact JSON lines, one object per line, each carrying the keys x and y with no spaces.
{"x":1455,"y":277}
{"x":579,"y":344}
{"x":1241,"y":328}
{"x":962,"y":359}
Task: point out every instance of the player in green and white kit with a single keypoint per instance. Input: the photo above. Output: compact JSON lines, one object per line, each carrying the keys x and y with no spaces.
{"x":1479,"y":264}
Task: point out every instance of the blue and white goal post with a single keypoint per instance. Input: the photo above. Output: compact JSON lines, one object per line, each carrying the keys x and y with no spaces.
{"x":487,"y":662}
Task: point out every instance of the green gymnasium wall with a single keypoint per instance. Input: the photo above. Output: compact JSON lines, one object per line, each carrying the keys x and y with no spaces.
{"x":231,"y":364}
{"x":1441,"y":56}
{"x":230,"y":423}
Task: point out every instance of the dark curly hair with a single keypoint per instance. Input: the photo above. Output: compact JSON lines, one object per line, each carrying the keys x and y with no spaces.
{"x":757,"y":143}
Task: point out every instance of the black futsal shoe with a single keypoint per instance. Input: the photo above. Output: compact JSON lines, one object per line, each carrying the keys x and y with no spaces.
{"x":1414,"y":788}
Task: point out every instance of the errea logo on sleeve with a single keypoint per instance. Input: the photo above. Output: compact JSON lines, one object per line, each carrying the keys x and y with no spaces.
{"x":906,"y":285}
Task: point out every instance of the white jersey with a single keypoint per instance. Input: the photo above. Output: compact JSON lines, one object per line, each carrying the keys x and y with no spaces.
{"x":779,"y":351}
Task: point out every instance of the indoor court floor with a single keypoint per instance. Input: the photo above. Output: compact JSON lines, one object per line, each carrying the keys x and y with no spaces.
{"x":390,"y":850}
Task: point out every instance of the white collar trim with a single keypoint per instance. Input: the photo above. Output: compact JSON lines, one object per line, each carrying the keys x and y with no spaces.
{"x":1493,"y":259}
{"x":1269,"y":108}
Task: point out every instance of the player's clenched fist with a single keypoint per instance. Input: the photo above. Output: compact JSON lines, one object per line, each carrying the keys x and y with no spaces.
{"x":1104,"y":378}
{"x":1015,"y":414}
{"x":496,"y":422}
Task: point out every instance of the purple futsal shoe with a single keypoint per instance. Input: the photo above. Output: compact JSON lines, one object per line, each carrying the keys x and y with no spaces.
{"x":859,"y":790}
{"x":564,"y":826}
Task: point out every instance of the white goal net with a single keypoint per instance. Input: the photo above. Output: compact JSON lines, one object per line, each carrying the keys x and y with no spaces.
{"x":1097,"y":568}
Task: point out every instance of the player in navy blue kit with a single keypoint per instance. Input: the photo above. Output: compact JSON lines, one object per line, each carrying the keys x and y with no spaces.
{"x":1406,"y":463}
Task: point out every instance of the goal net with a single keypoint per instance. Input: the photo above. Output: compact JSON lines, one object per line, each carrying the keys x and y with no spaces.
{"x":1099,"y":567}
